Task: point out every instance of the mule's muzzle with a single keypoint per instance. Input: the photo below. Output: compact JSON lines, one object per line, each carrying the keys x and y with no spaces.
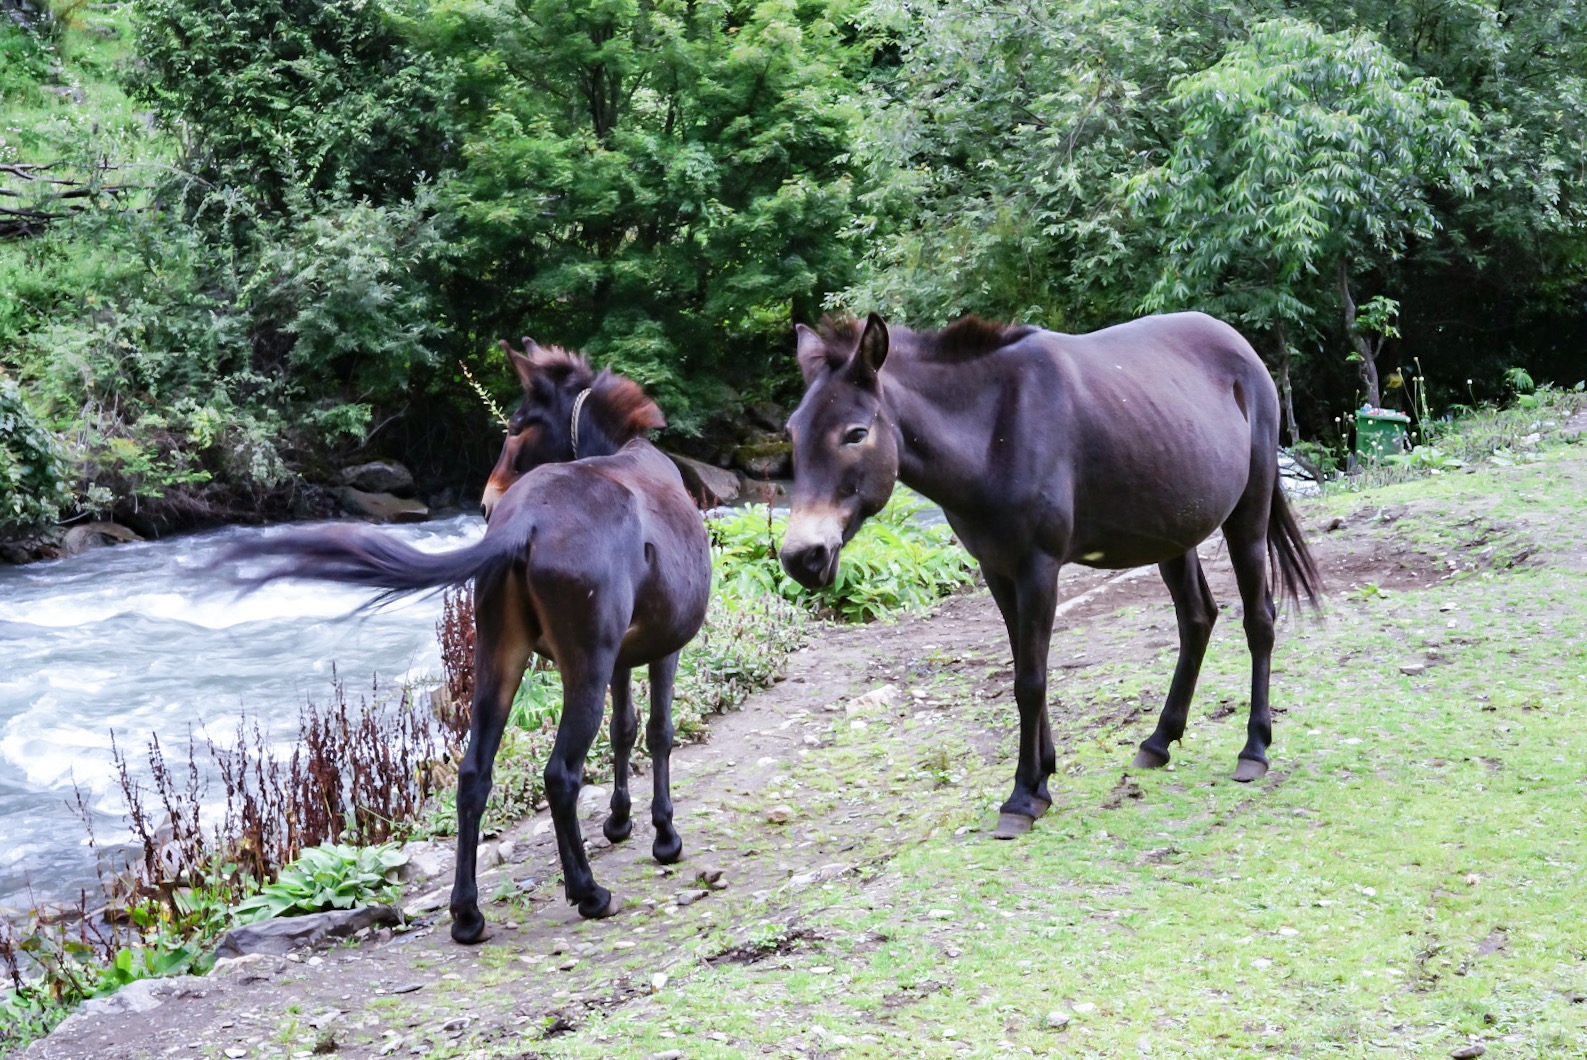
{"x":813,"y":566}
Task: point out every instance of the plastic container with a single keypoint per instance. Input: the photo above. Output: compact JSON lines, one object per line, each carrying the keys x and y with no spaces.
{"x":1381,"y":433}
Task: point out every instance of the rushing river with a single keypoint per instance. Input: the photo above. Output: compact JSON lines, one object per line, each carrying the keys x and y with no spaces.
{"x":133,"y":639}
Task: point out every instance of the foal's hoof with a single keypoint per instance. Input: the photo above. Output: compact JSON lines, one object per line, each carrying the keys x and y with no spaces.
{"x":616,"y":831}
{"x":1012,"y":825}
{"x":1248,"y":770}
{"x":1145,"y":759}
{"x":468,"y":927}
{"x":601,"y":904}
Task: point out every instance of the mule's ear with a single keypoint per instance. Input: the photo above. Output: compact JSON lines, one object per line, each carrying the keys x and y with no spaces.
{"x":812,"y":353}
{"x":872,"y":351}
{"x":522,"y":365}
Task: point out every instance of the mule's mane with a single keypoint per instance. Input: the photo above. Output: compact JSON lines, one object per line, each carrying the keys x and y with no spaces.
{"x":616,"y":405}
{"x":963,"y":340}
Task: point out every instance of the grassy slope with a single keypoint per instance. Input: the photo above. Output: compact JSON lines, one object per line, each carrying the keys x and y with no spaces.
{"x":1408,"y":879}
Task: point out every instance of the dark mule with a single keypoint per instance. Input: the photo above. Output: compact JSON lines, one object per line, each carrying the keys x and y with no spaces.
{"x":1116,"y":449}
{"x":595,"y":557}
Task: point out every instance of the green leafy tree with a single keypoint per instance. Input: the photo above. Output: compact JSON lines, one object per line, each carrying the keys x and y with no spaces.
{"x":994,"y":146}
{"x":659,"y":183}
{"x":33,"y":471}
{"x":1301,"y":160}
{"x":274,"y":96}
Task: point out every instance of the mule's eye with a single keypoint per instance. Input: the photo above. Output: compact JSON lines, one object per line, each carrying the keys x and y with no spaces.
{"x":855,"y":436}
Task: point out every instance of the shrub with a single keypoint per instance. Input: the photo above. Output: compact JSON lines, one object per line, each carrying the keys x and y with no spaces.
{"x":329,"y":876}
{"x":33,"y":469}
{"x":896,"y":562}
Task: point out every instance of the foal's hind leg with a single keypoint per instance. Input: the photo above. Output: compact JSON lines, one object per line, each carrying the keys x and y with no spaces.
{"x":625,"y":728}
{"x":584,"y":680}
{"x":668,"y":846}
{"x":1196,"y":611}
{"x":501,"y":651}
{"x":1250,"y":571}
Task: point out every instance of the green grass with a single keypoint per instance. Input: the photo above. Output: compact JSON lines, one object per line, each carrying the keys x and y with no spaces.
{"x":1407,"y":880}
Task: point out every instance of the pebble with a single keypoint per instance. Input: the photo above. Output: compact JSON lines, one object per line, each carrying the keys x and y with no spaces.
{"x":779,"y":814}
{"x":1467,"y":1052}
{"x":1412,"y":669}
{"x":1084,"y":1008}
{"x":234,"y":1053}
{"x":407,"y":988}
{"x":658,"y":981}
{"x":939,"y":914}
{"x":1057,"y":1020}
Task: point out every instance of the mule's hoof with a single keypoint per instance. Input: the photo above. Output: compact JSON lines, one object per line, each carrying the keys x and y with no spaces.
{"x":468,"y":928}
{"x":666,"y":851}
{"x":617,"y":831}
{"x":601,"y":904}
{"x":1145,"y":759}
{"x":1012,"y":825}
{"x":1042,"y":806}
{"x":1248,"y":770}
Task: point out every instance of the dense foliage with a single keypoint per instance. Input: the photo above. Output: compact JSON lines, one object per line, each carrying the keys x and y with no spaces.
{"x":244,"y":243}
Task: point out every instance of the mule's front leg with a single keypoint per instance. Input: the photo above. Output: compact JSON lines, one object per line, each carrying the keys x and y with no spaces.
{"x":668,"y":846}
{"x":1035,"y":600}
{"x":625,"y":728}
{"x":583,"y":697}
{"x":500,"y":654}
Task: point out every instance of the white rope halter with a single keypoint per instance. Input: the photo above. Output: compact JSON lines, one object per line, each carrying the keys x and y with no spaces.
{"x":578,"y":405}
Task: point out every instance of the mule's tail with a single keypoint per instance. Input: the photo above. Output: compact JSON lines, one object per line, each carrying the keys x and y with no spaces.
{"x":362,"y":555}
{"x":1289,"y":560}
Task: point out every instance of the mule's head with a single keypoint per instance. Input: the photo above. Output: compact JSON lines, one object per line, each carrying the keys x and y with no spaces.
{"x":568,"y":412}
{"x":845,"y":452}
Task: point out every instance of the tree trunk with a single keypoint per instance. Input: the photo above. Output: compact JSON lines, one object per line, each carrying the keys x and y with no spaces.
{"x":1368,"y":365}
{"x":1286,"y":391}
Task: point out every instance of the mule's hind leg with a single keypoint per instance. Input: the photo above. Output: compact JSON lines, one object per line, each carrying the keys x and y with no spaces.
{"x":584,"y":681}
{"x":1250,"y":571}
{"x":1196,"y":611}
{"x":500,"y":653}
{"x":668,"y":846}
{"x":625,"y":728}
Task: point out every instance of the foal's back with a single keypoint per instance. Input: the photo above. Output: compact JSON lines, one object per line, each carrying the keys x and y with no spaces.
{"x":617,"y":539}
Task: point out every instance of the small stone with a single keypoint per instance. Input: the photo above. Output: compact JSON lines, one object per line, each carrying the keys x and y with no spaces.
{"x":668,"y":1054}
{"x":1057,"y":1020}
{"x":1412,"y":669}
{"x":1084,"y":1008}
{"x":1467,"y":1052}
{"x":719,"y":885}
{"x":690,"y":897}
{"x":658,"y":981}
{"x":236,"y":1052}
{"x":592,"y":796}
{"x":779,"y":814}
{"x":708,"y":876}
{"x":407,"y":988}
{"x":568,"y":965}
{"x":821,"y":969}
{"x":939,"y":914}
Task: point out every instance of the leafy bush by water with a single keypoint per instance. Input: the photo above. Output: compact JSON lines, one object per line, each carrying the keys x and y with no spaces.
{"x":895,"y":563}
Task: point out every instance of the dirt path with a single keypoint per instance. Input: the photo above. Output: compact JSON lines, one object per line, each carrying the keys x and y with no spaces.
{"x":778,"y":802}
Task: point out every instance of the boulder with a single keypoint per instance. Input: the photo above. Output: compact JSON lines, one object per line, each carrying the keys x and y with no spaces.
{"x":765,"y":458}
{"x":706,"y":484}
{"x":96,"y":535}
{"x":379,"y":476}
{"x":281,"y":935}
{"x":382,"y":507}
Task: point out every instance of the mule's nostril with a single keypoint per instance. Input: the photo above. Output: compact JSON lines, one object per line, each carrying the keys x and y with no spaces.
{"x":484,"y":510}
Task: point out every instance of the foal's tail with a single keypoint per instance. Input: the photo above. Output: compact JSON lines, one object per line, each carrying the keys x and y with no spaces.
{"x":362,"y":555}
{"x":1289,"y":560}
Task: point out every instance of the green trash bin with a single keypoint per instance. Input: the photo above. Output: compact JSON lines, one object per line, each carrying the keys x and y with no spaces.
{"x":1381,"y":433}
